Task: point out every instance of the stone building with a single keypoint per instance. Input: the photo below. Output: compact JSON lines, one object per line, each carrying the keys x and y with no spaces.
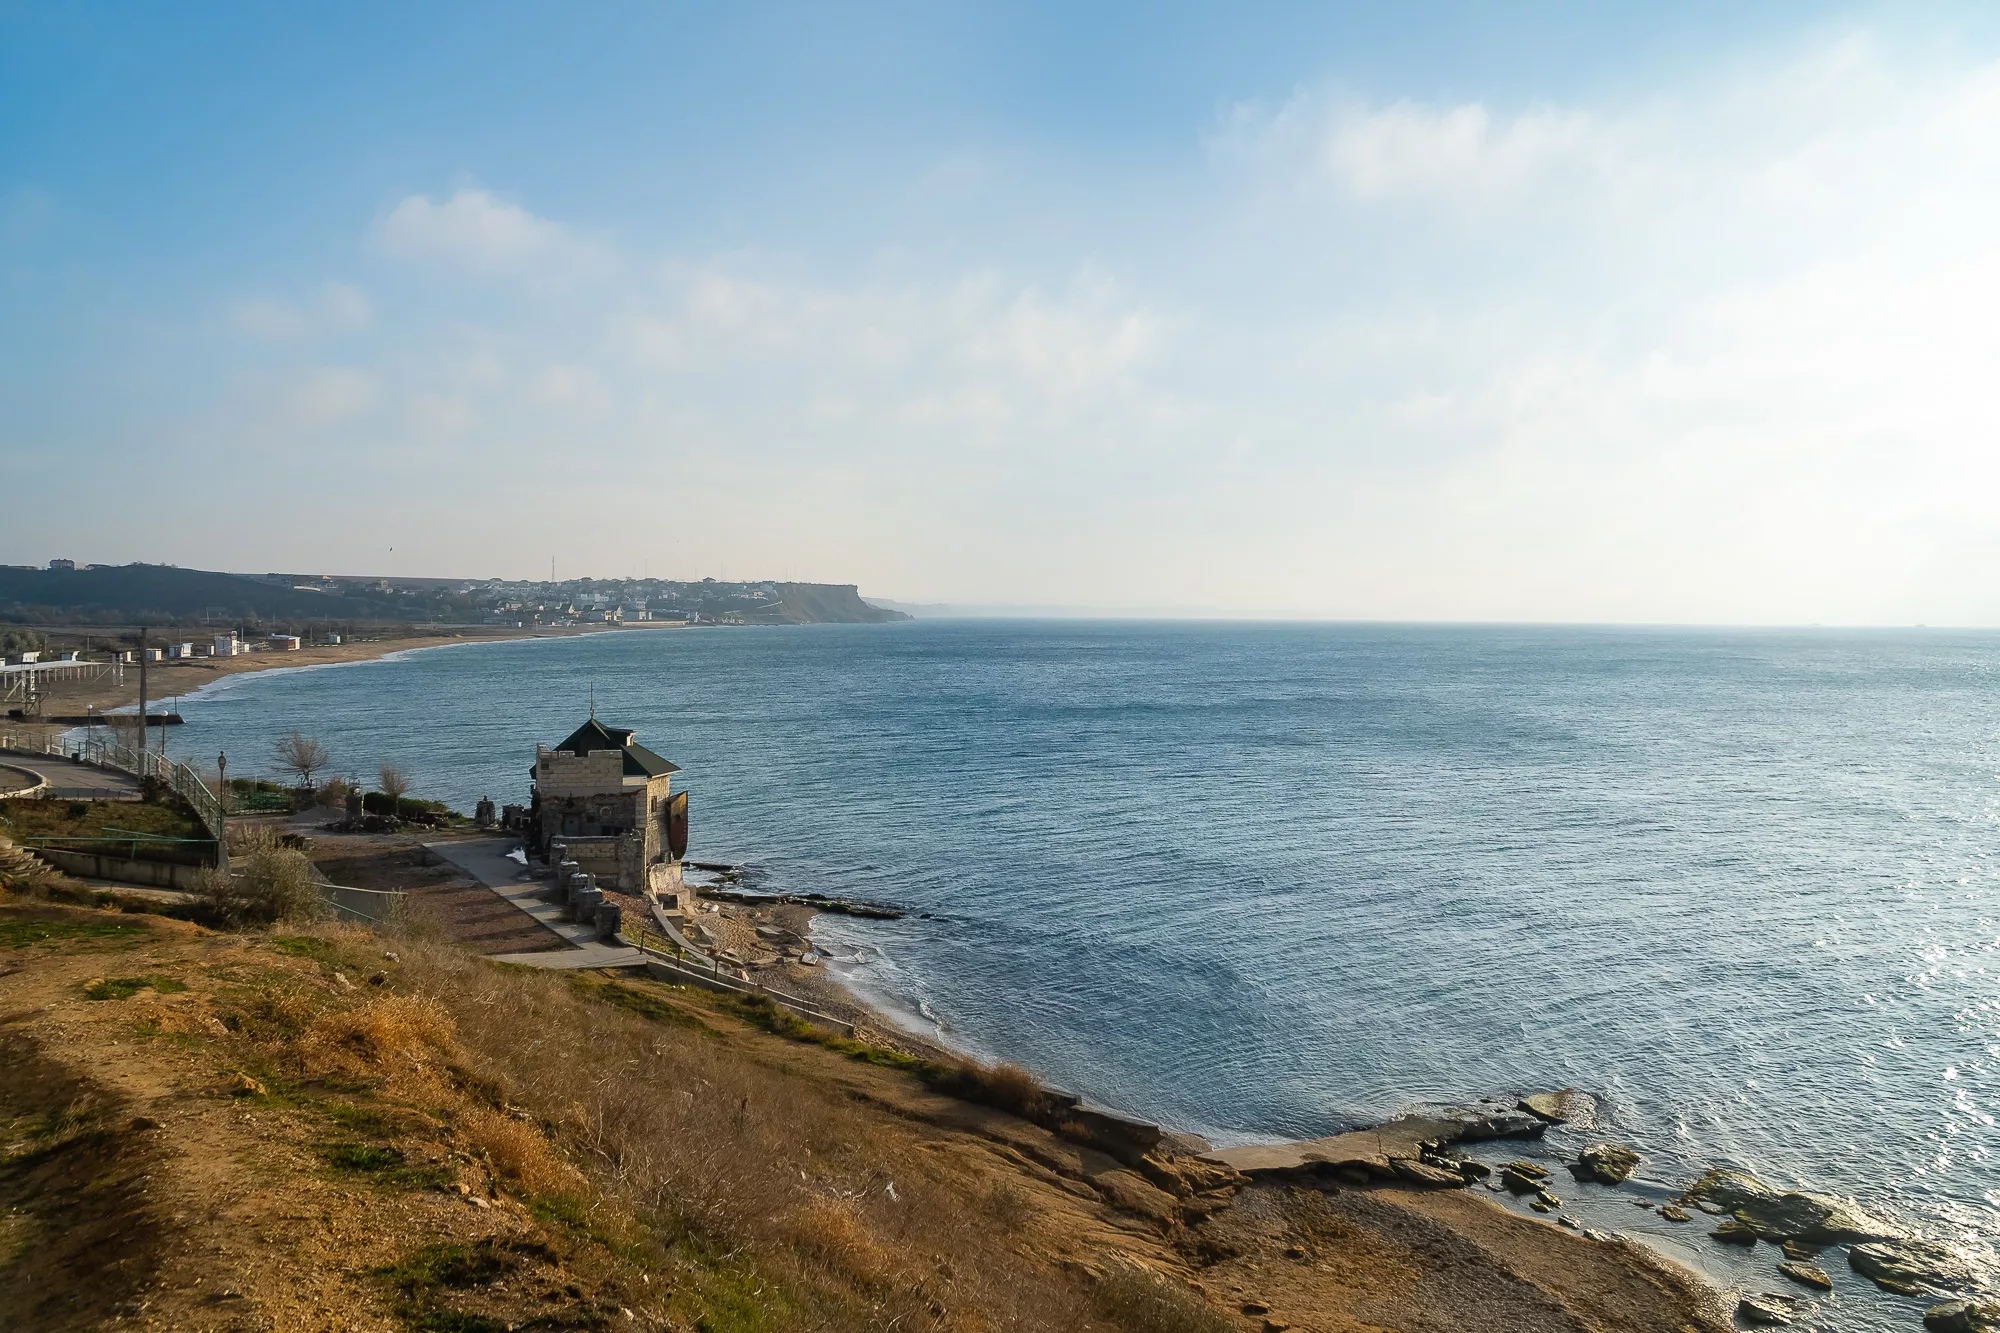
{"x":608,"y":799}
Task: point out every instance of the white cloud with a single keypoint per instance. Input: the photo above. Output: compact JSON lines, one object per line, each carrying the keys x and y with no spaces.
{"x":571,"y":387}
{"x":999,"y":349}
{"x":1713,"y":352}
{"x":477,"y":230}
{"x":433,"y":414}
{"x":1409,"y":148}
{"x":339,"y":308}
{"x":331,"y":394}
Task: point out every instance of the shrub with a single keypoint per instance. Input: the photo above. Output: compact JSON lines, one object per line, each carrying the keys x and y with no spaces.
{"x":270,"y":883}
{"x":1006,"y":1087}
{"x":407,"y":808}
{"x":1138,"y":1298}
{"x":519,"y":1154}
{"x":391,"y":1025}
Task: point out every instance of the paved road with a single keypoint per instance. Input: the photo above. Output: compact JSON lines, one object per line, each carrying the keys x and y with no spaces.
{"x":486,"y":860}
{"x":80,"y":782}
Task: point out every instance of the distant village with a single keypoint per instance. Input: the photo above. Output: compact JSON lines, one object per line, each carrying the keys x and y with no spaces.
{"x":577,"y":602}
{"x":67,"y":592}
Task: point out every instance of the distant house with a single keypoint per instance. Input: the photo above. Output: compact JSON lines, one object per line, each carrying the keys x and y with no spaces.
{"x":176,"y":651}
{"x":609,"y":800}
{"x":282,"y":643}
{"x":228,"y":645}
{"x":62,"y":564}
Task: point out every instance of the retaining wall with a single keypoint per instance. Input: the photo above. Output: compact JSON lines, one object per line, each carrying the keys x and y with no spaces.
{"x":150,"y":874}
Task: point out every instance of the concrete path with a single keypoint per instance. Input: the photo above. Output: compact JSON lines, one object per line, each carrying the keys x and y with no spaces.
{"x":486,"y":860}
{"x":78,"y":782}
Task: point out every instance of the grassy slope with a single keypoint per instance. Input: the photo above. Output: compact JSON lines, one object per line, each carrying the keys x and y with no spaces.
{"x":223,"y":1131}
{"x":32,"y":817}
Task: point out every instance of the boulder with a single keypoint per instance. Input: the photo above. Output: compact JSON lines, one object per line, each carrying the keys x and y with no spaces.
{"x":1807,"y":1275}
{"x":1777,"y":1215}
{"x":1733,"y":1232}
{"x":1523,"y":1177}
{"x":1962,"y":1317}
{"x":1911,"y":1267}
{"x":1605,"y":1163}
{"x":1560,"y":1107}
{"x":1675,"y":1213}
{"x":1766,"y":1308}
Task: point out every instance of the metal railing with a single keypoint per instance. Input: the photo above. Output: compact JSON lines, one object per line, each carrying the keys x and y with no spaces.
{"x":104,"y":752}
{"x":708,"y":971}
{"x":349,"y":903}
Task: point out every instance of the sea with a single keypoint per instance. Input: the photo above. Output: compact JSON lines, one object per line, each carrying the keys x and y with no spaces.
{"x":1270,"y":881}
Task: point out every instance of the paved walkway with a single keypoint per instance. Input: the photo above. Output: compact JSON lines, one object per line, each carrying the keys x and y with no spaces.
{"x":486,"y":860}
{"x":78,"y":782}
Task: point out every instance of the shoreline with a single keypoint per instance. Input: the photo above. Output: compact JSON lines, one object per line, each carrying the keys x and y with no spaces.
{"x":1706,"y":1290}
{"x":1637,"y":1214}
{"x":190,"y":678}
{"x":822,"y":984}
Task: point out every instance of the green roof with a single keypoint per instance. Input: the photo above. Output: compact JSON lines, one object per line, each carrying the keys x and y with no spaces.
{"x":639,"y":761}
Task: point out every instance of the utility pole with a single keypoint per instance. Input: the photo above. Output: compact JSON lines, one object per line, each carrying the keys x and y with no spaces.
{"x":142,"y":693}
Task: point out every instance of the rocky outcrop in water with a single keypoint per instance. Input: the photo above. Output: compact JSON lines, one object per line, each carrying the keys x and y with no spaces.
{"x":1605,"y":1163}
{"x":1912,"y":1267}
{"x":1492,"y":1118}
{"x":1806,"y":1275}
{"x":1770,"y":1307}
{"x":1962,"y":1317}
{"x":1564,"y":1107}
{"x":1408,"y":1149}
{"x":1776,"y":1215}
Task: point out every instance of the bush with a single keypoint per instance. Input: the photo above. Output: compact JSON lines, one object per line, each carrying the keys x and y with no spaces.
{"x":333,"y":793}
{"x":270,"y":883}
{"x":406,"y":808}
{"x":1137,"y":1298}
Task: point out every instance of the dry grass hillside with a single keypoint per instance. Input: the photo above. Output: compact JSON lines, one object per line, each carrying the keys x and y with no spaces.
{"x":329,"y":1129}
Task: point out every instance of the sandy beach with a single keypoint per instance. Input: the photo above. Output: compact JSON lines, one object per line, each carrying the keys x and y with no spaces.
{"x":168,"y":681}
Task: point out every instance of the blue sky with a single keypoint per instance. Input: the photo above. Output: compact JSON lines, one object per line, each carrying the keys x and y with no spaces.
{"x":1468,"y":311}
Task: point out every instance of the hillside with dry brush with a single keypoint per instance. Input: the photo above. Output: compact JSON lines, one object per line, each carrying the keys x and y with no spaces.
{"x":324,"y":1128}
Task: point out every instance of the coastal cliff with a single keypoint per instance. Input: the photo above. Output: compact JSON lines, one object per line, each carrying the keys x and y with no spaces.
{"x":830,"y":604}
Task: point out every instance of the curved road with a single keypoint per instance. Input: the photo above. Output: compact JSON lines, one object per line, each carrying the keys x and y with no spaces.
{"x":80,"y":782}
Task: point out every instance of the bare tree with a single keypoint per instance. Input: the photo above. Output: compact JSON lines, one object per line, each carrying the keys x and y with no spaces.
{"x":394,"y":784}
{"x":301,"y":754}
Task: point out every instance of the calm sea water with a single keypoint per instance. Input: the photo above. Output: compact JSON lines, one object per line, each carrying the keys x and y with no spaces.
{"x":1265,"y":881}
